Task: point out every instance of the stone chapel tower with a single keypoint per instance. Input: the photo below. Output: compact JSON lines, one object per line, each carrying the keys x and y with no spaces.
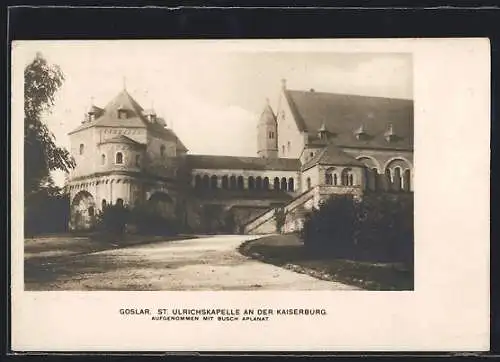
{"x":267,"y":134}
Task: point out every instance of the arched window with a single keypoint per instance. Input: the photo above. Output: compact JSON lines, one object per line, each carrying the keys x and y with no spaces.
{"x":335,"y":179}
{"x":137,"y":160}
{"x":119,"y":158}
{"x":103,"y":159}
{"x":206,"y":182}
{"x":276,"y":185}
{"x":104,"y":204}
{"x":241,"y":183}
{"x":265,"y":183}
{"x":251,"y":183}
{"x":283,"y":149}
{"x":283,"y":184}
{"x":290,"y":184}
{"x":308,"y":182}
{"x":162,"y":150}
{"x":388,"y":178}
{"x":397,"y":178}
{"x":328,"y":178}
{"x":346,"y":177}
{"x":271,"y":134}
{"x":407,"y":180}
{"x":82,"y":148}
{"x":213,"y":182}
{"x":197,"y":181}
{"x":351,"y":179}
{"x":375,"y":179}
{"x":119,"y":202}
{"x":225,"y":182}
{"x":258,"y":183}
{"x":232,"y":182}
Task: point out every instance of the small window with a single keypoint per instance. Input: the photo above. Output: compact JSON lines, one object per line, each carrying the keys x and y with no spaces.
{"x":119,"y":202}
{"x":104,"y":203}
{"x":137,"y":160}
{"x":283,"y":149}
{"x":122,"y":114}
{"x":289,"y":145}
{"x":162,"y":151}
{"x":82,"y":148}
{"x":271,"y":135}
{"x":91,"y":211}
{"x":311,"y":154}
{"x":103,"y":159}
{"x":119,"y":158}
{"x":308,"y":183}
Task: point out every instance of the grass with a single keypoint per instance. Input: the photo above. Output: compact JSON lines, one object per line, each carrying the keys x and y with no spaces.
{"x":287,"y":251}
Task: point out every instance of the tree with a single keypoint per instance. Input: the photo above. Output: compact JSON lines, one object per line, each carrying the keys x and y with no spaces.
{"x":41,"y":154}
{"x":279,"y":218}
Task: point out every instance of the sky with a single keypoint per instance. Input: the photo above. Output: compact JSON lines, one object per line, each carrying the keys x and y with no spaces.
{"x":210,"y":93}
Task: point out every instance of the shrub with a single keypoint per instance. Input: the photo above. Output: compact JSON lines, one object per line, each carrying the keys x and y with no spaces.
{"x":46,"y":212}
{"x":113,"y":219}
{"x":147,"y":220}
{"x":380,"y":226}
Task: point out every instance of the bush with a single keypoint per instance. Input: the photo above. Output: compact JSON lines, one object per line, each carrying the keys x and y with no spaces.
{"x":149,"y":221}
{"x":113,"y":219}
{"x":380,"y":226}
{"x":46,"y":212}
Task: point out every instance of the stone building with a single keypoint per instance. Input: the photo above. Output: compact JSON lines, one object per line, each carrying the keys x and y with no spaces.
{"x":311,"y":146}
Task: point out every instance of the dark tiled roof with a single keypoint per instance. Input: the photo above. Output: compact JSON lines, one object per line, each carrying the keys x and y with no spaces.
{"x":331,"y":155}
{"x":123,"y":139}
{"x":242,"y":163}
{"x":108,"y":117}
{"x":343,"y":114}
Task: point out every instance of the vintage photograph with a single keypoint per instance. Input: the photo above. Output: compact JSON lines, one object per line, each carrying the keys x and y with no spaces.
{"x":185,"y":166}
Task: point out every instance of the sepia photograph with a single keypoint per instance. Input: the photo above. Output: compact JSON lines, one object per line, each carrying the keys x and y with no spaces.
{"x":184,"y":194}
{"x":152,"y":167}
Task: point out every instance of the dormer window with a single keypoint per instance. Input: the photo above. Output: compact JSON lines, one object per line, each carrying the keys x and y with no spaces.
{"x":390,"y":135}
{"x":122,"y":112}
{"x":322,"y":132}
{"x":360,"y":133}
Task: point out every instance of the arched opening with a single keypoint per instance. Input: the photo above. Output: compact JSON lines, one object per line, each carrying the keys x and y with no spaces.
{"x":225,"y":182}
{"x":82,"y":210}
{"x":290,"y":184}
{"x":335,"y":179}
{"x":232,"y":182}
{"x":407,"y":180}
{"x":347,"y":178}
{"x":119,"y":202}
{"x":197,"y":182}
{"x":375,"y":179}
{"x":251,"y":183}
{"x":206,"y":182}
{"x":276,"y":184}
{"x":283,"y":184}
{"x":103,"y":204}
{"x":162,"y":204}
{"x":213,"y":182}
{"x":119,"y":158}
{"x":328,"y":178}
{"x":241,"y":183}
{"x":397,"y":179}
{"x":388,"y":178}
{"x":265,"y":183}
{"x":258,"y":183}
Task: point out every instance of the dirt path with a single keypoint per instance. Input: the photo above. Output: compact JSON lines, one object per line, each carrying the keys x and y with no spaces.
{"x":206,"y":263}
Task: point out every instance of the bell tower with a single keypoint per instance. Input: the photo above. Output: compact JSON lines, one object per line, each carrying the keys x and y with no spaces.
{"x":267,"y":133}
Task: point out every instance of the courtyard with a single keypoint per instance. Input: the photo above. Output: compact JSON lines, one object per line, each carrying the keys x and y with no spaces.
{"x":201,"y":263}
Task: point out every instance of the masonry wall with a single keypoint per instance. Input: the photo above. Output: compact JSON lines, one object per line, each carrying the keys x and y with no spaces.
{"x":288,"y":131}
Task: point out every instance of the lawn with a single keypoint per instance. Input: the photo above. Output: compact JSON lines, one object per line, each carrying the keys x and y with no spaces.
{"x":287,"y":251}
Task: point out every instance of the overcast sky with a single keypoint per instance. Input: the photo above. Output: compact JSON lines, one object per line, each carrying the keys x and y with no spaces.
{"x":211,"y":95}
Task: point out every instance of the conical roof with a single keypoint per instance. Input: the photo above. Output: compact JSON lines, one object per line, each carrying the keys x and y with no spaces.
{"x":267,"y":115}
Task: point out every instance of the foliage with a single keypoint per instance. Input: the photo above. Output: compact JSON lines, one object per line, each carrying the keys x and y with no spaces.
{"x":42,"y":155}
{"x":380,"y":226}
{"x":279,"y":218}
{"x":113,"y":219}
{"x":147,"y":220}
{"x":46,"y":210}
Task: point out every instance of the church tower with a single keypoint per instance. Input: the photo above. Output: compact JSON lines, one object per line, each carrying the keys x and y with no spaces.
{"x":267,"y":134}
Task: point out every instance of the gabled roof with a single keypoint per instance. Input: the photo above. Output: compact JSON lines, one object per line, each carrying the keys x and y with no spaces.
{"x":242,"y":163}
{"x":331,"y":155}
{"x":122,"y":139}
{"x":343,"y":114}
